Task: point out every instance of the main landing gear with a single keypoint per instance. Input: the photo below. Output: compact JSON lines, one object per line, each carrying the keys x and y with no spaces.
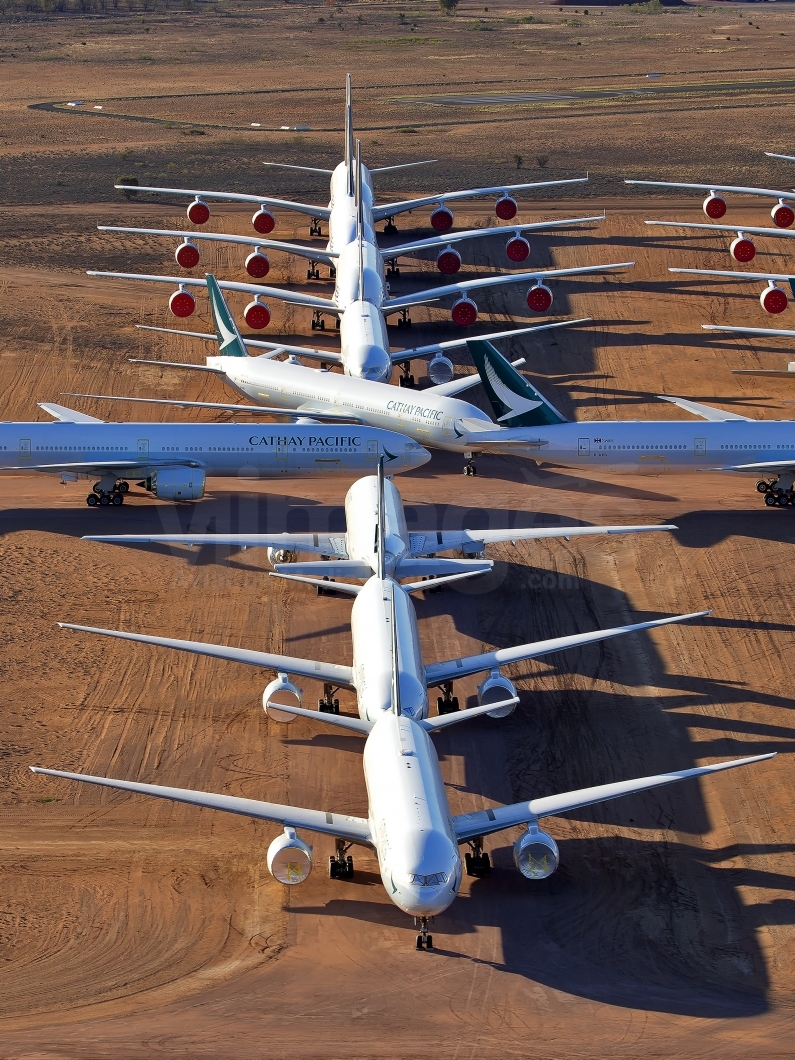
{"x":392,"y":268}
{"x":314,"y":227}
{"x":469,"y":466}
{"x":311,"y":272}
{"x":318,"y":323}
{"x":478,"y":863}
{"x":405,"y":319}
{"x":390,"y":228}
{"x":106,"y":494}
{"x":447,"y":703}
{"x":778,"y":492}
{"x":340,"y":863}
{"x":328,"y":705}
{"x":406,"y":379}
{"x":424,"y":940}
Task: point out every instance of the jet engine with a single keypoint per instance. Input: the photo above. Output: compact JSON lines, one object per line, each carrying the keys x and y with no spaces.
{"x":177,"y":483}
{"x":773,"y":299}
{"x":714,"y":206}
{"x":257,"y":264}
{"x":279,"y":696}
{"x":448,"y":261}
{"x":440,"y":370}
{"x":289,"y":858}
{"x":495,"y":689}
{"x":535,"y":854}
{"x":539,"y":298}
{"x":742,"y":248}
{"x":782,"y":215}
{"x":263,"y":221}
{"x":257,"y":315}
{"x":442,"y":219}
{"x":517,"y":249}
{"x":182,"y":303}
{"x":464,"y":312}
{"x":187,"y":255}
{"x":198,"y":212}
{"x":280,"y":555}
{"x":506,"y":208}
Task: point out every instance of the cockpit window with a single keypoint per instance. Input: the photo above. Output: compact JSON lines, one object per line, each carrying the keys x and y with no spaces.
{"x":432,"y":880}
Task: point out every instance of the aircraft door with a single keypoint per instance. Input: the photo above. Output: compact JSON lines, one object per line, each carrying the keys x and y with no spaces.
{"x":699,"y":446}
{"x":584,"y":446}
{"x":372,"y":451}
{"x":447,"y":426}
{"x":143,"y":448}
{"x":24,"y":447}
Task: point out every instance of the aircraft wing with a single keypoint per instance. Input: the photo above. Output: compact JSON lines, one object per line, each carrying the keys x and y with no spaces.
{"x":485,"y":822}
{"x":98,"y":466}
{"x":785,"y":158}
{"x":318,"y":671}
{"x":454,"y":669}
{"x":322,"y":212}
{"x":65,"y":415}
{"x":357,"y":829}
{"x":259,"y":410}
{"x":451,"y":344}
{"x":319,"y":544}
{"x":749,"y":331}
{"x":443,"y":540}
{"x":737,"y":275}
{"x":274,"y":348}
{"x":715,"y":187}
{"x":757,"y":466}
{"x":393,"y":208}
{"x":296,"y":297}
{"x":434,"y":294}
{"x":724,"y":228}
{"x":473,"y":233}
{"x":327,"y":257}
{"x":706,"y":412}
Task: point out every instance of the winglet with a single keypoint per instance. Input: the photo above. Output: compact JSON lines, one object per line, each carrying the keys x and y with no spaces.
{"x":230,"y":342}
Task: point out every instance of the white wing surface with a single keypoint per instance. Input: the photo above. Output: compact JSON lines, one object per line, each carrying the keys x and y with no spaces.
{"x":433,"y":541}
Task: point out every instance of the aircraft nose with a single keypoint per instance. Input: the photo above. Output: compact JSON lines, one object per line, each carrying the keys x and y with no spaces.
{"x":375,"y":363}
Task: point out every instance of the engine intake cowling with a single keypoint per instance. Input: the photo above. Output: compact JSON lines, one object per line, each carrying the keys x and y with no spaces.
{"x":517,"y":249}
{"x":442,"y":219}
{"x":440,"y":370}
{"x":187,"y":255}
{"x":257,"y":265}
{"x":257,"y":315}
{"x":539,"y":298}
{"x":742,"y":249}
{"x":464,"y":312}
{"x":536,"y":854}
{"x":289,"y":858}
{"x":182,"y":303}
{"x":177,"y":483}
{"x":448,"y":262}
{"x":783,"y":215}
{"x":714,"y":206}
{"x":280,"y":555}
{"x":263,"y":221}
{"x":198,"y":212}
{"x":495,"y":689}
{"x":506,"y":208}
{"x":773,"y":299}
{"x":279,"y":696}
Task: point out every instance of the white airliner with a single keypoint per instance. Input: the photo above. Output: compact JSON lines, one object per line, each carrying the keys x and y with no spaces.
{"x":409,"y":824}
{"x":773,"y":298}
{"x":768,"y":332}
{"x":714,"y":206}
{"x":174,"y":460}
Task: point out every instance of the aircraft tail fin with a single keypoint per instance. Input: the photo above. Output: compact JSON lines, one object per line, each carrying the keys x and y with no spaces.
{"x":230,"y":343}
{"x":515,"y":402}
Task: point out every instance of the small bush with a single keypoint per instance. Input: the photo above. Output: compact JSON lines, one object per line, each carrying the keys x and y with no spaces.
{"x":447,"y":7}
{"x":542,"y":160}
{"x":518,"y":160}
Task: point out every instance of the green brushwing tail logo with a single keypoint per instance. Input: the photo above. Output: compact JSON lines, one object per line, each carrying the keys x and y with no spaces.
{"x":230,"y":344}
{"x":515,"y":402}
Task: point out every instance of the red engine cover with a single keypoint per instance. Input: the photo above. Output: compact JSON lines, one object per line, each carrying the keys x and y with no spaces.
{"x":448,"y":262}
{"x":182,"y":304}
{"x":539,"y":298}
{"x":742,"y":249}
{"x":257,"y":265}
{"x":782,"y":215}
{"x":464,"y":312}
{"x":187,"y":255}
{"x":517,"y":249}
{"x":198,"y":212}
{"x":506,"y":208}
{"x":442,"y":219}
{"x":773,"y":299}
{"x":257,"y":315}
{"x":263,"y":221}
{"x":714,"y":207}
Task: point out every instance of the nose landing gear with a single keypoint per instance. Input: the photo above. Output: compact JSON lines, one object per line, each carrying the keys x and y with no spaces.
{"x":424,"y":940}
{"x":469,"y":466}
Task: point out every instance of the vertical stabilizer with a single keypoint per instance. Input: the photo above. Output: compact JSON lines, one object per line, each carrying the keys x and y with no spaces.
{"x":349,"y":132}
{"x":230,"y":343}
{"x":515,"y":402}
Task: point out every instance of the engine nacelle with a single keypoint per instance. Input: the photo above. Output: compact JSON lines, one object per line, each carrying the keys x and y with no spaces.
{"x":464,"y":312}
{"x":506,"y":208}
{"x":535,"y":854}
{"x":289,"y":858}
{"x":257,"y":264}
{"x":714,"y":206}
{"x":442,"y":219}
{"x":263,"y":221}
{"x":279,"y":696}
{"x":280,"y":555}
{"x":742,"y":249}
{"x":448,"y":262}
{"x":182,"y":303}
{"x":539,"y":298}
{"x":198,"y":212}
{"x":187,"y":255}
{"x":495,"y":689}
{"x":773,"y":299}
{"x":517,"y":249}
{"x":782,"y":215}
{"x":257,"y":315}
{"x":177,"y":484}
{"x":440,"y":370}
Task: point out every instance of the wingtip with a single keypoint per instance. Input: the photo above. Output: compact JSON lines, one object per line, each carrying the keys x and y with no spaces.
{"x":35,"y":769}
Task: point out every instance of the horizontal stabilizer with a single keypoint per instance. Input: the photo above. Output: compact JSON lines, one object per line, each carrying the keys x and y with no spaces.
{"x":706,"y":412}
{"x":417,"y":566}
{"x":444,"y":721}
{"x":320,"y":583}
{"x":425,"y":586}
{"x":334,"y":568}
{"x":485,"y":822}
